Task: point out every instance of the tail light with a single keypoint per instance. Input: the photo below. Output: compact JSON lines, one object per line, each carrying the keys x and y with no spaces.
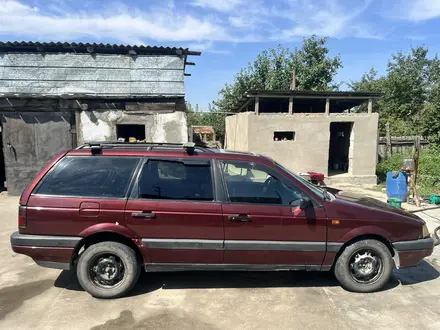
{"x":22,"y":216}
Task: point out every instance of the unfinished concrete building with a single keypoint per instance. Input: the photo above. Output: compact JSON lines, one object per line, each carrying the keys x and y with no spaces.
{"x":54,"y":96}
{"x":334,"y":133}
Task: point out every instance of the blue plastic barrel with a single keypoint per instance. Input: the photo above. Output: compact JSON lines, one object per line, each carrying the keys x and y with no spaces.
{"x":397,"y":187}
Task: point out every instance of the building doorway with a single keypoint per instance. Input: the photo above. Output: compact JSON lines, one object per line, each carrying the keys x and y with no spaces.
{"x":2,"y":162}
{"x":341,"y":135}
{"x":130,"y":131}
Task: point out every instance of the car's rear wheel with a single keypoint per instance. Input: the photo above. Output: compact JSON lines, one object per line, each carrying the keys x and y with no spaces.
{"x":108,"y":269}
{"x":364,"y":266}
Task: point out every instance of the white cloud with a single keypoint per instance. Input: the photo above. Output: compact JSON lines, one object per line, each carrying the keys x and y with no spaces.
{"x":208,"y":47}
{"x":417,"y":10}
{"x":219,"y":5}
{"x":204,"y":25}
{"x":20,"y":20}
{"x":326,"y":18}
{"x":416,"y":37}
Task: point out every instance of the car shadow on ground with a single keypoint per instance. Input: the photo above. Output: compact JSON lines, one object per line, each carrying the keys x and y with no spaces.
{"x":149,"y":282}
{"x":209,"y":279}
{"x":423,"y":272}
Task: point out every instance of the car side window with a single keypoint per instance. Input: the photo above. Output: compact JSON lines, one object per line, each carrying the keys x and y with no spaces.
{"x":175,"y":180}
{"x":248,"y":182}
{"x":96,"y":176}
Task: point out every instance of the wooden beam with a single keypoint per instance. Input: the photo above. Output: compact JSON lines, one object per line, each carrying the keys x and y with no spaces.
{"x":245,"y":104}
{"x":370,"y":106}
{"x":290,"y":105}
{"x":327,"y":106}
{"x":187,"y":74}
{"x":190,"y":63}
{"x":257,"y":105}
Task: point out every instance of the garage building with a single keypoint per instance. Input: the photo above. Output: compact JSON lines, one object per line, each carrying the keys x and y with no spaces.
{"x":56,"y":96}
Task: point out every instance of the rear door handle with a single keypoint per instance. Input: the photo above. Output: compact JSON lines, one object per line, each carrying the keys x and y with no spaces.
{"x":240,"y":218}
{"x":149,"y":215}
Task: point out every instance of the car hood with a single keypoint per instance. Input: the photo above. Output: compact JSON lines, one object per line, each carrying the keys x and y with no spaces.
{"x":371,"y":204}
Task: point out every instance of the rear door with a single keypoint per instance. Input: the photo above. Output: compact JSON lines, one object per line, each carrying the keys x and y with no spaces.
{"x":79,"y":192}
{"x":173,"y":207}
{"x":263,"y":221}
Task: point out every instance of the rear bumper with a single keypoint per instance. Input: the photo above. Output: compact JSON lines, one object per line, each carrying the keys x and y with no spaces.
{"x":410,"y":253}
{"x":46,"y":251}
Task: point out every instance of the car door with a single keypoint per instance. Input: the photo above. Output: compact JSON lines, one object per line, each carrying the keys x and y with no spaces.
{"x":82,"y":191}
{"x":174,"y":209}
{"x":263,"y":221}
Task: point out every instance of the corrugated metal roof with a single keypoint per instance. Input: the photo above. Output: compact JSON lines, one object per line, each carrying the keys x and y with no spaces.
{"x":32,"y":47}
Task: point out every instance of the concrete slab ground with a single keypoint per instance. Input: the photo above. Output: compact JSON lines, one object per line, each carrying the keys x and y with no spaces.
{"x":32,"y":297}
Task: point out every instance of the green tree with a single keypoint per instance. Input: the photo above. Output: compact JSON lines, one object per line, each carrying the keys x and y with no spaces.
{"x":211,"y":117}
{"x":409,"y":89}
{"x":273,"y":68}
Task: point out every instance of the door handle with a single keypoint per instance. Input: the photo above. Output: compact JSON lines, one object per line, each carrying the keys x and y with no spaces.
{"x":149,"y":215}
{"x":240,"y":218}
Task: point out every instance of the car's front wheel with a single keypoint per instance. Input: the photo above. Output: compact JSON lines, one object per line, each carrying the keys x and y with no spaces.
{"x":364,"y":266}
{"x":108,"y":269}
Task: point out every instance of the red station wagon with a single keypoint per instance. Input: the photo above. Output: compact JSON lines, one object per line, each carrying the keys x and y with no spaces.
{"x":110,"y":209}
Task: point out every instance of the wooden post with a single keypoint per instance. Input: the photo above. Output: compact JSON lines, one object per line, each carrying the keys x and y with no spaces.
{"x":290,"y":105}
{"x":370,"y":106}
{"x":257,"y":105}
{"x":388,"y":148}
{"x":416,"y":169}
{"x":327,"y":106}
{"x":293,"y":80}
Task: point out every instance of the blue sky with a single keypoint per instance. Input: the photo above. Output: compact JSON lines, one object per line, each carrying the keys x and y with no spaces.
{"x":231,"y":33}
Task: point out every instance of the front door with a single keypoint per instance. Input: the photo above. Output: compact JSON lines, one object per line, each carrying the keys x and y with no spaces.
{"x":174,"y":209}
{"x":263,"y":221}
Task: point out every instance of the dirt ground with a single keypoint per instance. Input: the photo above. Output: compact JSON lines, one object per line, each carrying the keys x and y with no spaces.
{"x":32,"y":297}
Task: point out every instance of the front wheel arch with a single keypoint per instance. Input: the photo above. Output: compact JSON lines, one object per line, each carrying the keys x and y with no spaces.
{"x":365,"y":237}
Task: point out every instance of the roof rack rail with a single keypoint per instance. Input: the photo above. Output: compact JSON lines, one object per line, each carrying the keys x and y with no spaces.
{"x":189,"y":146}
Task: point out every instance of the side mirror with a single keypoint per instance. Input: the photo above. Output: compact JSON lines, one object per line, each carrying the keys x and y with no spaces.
{"x":305,"y":203}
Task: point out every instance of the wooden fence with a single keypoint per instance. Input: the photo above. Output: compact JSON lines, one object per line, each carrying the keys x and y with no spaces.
{"x":400,"y":144}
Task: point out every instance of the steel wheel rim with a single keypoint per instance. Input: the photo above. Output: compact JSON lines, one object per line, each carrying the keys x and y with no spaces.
{"x":106,"y":271}
{"x":365,"y":266}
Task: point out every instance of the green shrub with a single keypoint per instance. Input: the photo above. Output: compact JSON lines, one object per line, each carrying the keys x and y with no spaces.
{"x":393,"y":163}
{"x":429,"y":168}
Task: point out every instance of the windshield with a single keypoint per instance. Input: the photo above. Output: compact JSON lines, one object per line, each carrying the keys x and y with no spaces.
{"x":315,"y":189}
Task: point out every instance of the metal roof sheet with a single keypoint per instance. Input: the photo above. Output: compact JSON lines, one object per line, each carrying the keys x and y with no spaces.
{"x":31,"y":47}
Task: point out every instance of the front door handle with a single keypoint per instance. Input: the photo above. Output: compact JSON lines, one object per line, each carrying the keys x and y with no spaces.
{"x":149,"y":215}
{"x":240,"y":218}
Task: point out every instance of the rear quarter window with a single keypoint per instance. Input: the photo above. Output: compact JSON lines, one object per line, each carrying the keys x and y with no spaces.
{"x":93,"y":176}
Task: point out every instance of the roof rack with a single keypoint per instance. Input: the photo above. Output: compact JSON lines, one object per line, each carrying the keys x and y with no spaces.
{"x":99,"y":145}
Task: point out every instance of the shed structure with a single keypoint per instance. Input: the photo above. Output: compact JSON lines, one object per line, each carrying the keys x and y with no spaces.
{"x":55,"y":96}
{"x":335,"y":133}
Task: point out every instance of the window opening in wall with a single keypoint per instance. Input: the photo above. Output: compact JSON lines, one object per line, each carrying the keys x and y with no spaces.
{"x":125,"y":132}
{"x":339,"y":150}
{"x":284,"y":136}
{"x":2,"y":162}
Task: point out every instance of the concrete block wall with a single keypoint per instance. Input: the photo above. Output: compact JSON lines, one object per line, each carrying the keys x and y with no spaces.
{"x":100,"y":125}
{"x":310,"y":149}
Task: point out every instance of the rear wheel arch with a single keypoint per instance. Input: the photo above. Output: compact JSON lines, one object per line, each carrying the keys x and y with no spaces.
{"x":105,"y":236}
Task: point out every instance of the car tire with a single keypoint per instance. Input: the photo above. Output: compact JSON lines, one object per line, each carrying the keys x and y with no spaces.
{"x":364,"y":266}
{"x":108,"y":270}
